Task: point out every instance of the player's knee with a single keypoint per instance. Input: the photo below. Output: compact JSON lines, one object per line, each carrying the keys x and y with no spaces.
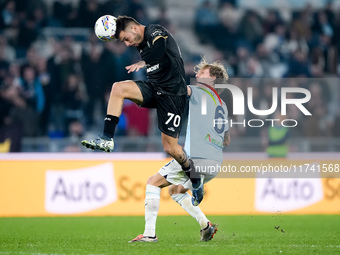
{"x":118,"y":89}
{"x":151,"y":181}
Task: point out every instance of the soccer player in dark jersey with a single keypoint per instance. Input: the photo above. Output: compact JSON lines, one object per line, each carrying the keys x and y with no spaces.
{"x":165,"y":88}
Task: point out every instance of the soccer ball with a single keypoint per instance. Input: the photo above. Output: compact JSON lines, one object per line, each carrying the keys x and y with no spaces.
{"x":105,"y":28}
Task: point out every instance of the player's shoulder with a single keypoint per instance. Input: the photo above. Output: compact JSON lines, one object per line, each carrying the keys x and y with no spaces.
{"x":195,"y":90}
{"x":154,"y":30}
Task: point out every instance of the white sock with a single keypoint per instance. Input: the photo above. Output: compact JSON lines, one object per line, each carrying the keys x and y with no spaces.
{"x":152,"y":197}
{"x":184,"y":200}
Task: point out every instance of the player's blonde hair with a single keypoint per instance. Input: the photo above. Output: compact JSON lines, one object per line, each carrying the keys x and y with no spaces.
{"x":216,"y":69}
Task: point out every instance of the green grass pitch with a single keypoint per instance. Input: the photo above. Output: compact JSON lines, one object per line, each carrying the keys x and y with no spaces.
{"x":270,"y":234}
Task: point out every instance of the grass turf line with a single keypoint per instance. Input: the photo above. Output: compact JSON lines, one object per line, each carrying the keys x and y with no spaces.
{"x":276,"y":234}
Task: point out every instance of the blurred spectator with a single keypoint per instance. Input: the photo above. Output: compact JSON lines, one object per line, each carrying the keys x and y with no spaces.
{"x":55,"y":86}
{"x":31,"y":57}
{"x":4,"y":64}
{"x":322,"y":25}
{"x":265,"y":59}
{"x":163,"y":20}
{"x":230,"y":15}
{"x":271,"y":21}
{"x":315,"y":125}
{"x":254,"y":68}
{"x":73,"y":99}
{"x":7,"y":50}
{"x":327,"y":55}
{"x":227,"y":33}
{"x":301,"y":23}
{"x":11,"y":128}
{"x":32,"y":93}
{"x":14,"y":71}
{"x":242,"y":56}
{"x":40,"y":17}
{"x":206,"y":23}
{"x":8,"y":14}
{"x":295,"y":41}
{"x":45,"y":79}
{"x":298,"y":65}
{"x":94,"y":68}
{"x":63,"y":15}
{"x":64,"y":65}
{"x":88,"y":13}
{"x":27,"y":34}
{"x":76,"y":132}
{"x":251,"y":29}
{"x":137,"y":10}
{"x":274,"y":41}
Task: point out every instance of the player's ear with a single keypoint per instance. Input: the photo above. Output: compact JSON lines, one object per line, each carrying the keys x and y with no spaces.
{"x":133,"y":28}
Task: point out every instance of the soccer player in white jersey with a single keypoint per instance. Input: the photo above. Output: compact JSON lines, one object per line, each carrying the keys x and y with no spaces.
{"x":204,"y":144}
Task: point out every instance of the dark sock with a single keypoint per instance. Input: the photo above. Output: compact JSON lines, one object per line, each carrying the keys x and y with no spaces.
{"x":194,"y":176}
{"x":110,"y":123}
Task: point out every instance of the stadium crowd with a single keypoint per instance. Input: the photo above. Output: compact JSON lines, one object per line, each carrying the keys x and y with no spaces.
{"x":57,"y":85}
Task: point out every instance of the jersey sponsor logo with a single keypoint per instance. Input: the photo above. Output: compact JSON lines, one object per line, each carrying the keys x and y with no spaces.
{"x":152,"y":68}
{"x":171,"y":129}
{"x":213,"y":141}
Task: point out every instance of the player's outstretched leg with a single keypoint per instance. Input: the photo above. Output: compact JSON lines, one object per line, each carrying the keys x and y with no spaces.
{"x":120,"y":91}
{"x":102,"y":143}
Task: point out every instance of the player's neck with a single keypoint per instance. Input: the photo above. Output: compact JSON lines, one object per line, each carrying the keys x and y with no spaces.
{"x":142,"y":29}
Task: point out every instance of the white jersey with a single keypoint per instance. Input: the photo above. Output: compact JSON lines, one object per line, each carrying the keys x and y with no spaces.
{"x":207,"y":123}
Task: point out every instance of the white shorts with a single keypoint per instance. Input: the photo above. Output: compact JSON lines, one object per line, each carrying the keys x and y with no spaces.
{"x":174,"y":174}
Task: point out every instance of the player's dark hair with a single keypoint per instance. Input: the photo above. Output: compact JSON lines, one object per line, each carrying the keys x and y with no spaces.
{"x":122,"y":22}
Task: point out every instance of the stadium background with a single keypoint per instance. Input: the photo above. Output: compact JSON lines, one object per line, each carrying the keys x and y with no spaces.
{"x":55,"y":77}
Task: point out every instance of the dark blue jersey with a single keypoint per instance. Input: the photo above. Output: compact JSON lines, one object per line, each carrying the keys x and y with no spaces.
{"x":164,"y":64}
